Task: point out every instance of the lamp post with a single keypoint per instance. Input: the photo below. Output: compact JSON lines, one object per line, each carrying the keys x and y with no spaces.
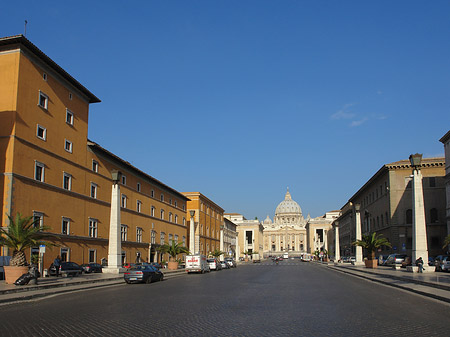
{"x":192,"y":247}
{"x":359,"y":254}
{"x":337,"y":253}
{"x":115,"y":244}
{"x":419,"y":230}
{"x":221,"y":246}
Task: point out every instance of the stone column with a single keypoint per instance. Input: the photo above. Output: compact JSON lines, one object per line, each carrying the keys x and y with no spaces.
{"x":419,"y":239}
{"x":115,"y":242}
{"x":337,"y":252}
{"x":359,"y":254}
{"x":192,"y":249}
{"x":221,"y":243}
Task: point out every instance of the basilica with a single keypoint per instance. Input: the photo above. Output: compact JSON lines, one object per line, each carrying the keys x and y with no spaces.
{"x":293,"y":234}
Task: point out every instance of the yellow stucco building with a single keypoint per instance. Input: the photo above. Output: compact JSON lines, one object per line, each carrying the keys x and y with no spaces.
{"x":50,"y":170}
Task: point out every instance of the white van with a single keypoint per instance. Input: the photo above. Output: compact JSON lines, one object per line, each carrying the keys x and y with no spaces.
{"x":256,"y":258}
{"x":196,"y":264}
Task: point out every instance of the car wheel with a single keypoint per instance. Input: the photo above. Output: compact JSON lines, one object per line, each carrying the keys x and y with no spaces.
{"x":127,"y":282}
{"x":148,"y":280}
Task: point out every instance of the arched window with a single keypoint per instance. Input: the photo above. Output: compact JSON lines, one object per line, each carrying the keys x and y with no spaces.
{"x":409,"y":216}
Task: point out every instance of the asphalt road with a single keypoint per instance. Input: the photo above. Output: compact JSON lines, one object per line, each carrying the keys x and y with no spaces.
{"x":289,"y":299}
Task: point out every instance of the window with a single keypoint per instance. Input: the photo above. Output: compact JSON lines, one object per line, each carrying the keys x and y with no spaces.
{"x":433,"y":215}
{"x":162,"y":237}
{"x":170,"y":239}
{"x":152,"y":211}
{"x":138,"y":206}
{"x":123,"y":232}
{"x":152,"y":194}
{"x":138,"y":187}
{"x":184,"y":221}
{"x":153,"y":238}
{"x":93,"y":190}
{"x":67,"y":181}
{"x":176,"y":238}
{"x":162,"y":197}
{"x":44,"y":76}
{"x":43,"y":100}
{"x":162,"y":214}
{"x":170,"y":201}
{"x":41,"y":132}
{"x":124,"y":201}
{"x":184,"y":241}
{"x":94,"y":165}
{"x":176,"y":218}
{"x":64,"y":253}
{"x":92,"y":255}
{"x":432,"y":181}
{"x":124,"y":180}
{"x":184,"y":207}
{"x":65,"y":226}
{"x":170,"y":217}
{"x":70,"y":95}
{"x":93,"y":227}
{"x":68,"y":146}
{"x":409,"y":216}
{"x":38,"y":219}
{"x":39,"y":171}
{"x":176,"y":203}
{"x":69,"y":117}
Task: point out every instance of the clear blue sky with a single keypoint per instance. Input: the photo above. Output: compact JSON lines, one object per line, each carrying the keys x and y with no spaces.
{"x":241,"y":99}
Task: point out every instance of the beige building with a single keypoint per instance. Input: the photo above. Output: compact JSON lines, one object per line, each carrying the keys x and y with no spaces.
{"x":386,"y":207}
{"x":228,"y":238}
{"x":249,"y":232}
{"x":446,"y":141}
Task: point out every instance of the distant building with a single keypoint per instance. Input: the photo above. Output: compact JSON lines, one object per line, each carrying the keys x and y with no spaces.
{"x":386,"y":208}
{"x":208,"y":221}
{"x":229,"y":238}
{"x":250,"y":235}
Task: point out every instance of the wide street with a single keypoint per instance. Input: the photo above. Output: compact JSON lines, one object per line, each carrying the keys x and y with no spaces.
{"x":289,"y":299}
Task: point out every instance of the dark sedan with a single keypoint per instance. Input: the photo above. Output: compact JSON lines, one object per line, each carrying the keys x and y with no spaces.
{"x":142,"y":274}
{"x":92,"y":267}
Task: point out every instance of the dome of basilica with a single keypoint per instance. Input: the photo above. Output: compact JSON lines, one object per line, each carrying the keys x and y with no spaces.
{"x":288,"y":206}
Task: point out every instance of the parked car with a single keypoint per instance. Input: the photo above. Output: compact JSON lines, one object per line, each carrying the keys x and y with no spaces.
{"x":128,"y":265}
{"x":382,"y":259}
{"x":142,"y":274}
{"x":214,"y":264}
{"x":224,"y":265}
{"x":431,"y":261}
{"x":231,"y":262}
{"x":66,"y":269}
{"x":394,"y":259}
{"x":442,"y":263}
{"x":92,"y":268}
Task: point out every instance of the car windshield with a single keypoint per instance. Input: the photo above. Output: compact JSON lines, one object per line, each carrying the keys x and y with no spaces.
{"x":211,"y":260}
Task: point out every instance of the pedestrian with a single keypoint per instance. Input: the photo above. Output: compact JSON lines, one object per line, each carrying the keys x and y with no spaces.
{"x":57,"y":264}
{"x":419,"y":263}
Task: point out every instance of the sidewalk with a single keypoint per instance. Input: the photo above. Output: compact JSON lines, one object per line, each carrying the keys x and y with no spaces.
{"x":434,"y":285}
{"x":56,"y":285}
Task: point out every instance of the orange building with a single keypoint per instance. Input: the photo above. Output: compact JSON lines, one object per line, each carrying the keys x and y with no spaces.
{"x":208,"y":219}
{"x":49,"y":168}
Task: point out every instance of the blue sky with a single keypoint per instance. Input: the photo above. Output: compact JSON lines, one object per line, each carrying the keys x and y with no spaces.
{"x":241,"y":99}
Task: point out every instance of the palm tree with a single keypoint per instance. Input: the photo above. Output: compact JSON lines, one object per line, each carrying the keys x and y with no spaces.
{"x":174,"y":249}
{"x":446,"y":242}
{"x":22,"y":234}
{"x":216,"y":253}
{"x":372,"y":242}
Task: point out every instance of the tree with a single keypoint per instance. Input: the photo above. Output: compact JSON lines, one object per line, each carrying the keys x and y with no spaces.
{"x":22,"y":234}
{"x":174,"y":249}
{"x":446,"y":242}
{"x":216,"y":253}
{"x":372,"y":242}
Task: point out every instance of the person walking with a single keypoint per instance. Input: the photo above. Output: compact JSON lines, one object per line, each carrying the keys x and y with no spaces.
{"x":419,"y":263}
{"x":57,"y":264}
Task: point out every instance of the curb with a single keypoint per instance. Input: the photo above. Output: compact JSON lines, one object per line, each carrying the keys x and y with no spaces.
{"x":379,"y":279}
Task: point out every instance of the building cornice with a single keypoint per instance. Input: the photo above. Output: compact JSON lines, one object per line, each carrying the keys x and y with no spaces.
{"x":21,"y":42}
{"x":445,"y":138}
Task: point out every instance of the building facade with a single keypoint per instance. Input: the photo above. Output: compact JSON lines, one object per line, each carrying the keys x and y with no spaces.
{"x":50,"y":170}
{"x":228,"y":238}
{"x":385,"y":203}
{"x":446,"y":141}
{"x":249,"y":235}
{"x":208,"y":222}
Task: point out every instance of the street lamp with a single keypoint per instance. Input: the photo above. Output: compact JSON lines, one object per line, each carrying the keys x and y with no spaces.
{"x":359,"y":254}
{"x":192,"y":247}
{"x":116,"y":176}
{"x":415,"y":160}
